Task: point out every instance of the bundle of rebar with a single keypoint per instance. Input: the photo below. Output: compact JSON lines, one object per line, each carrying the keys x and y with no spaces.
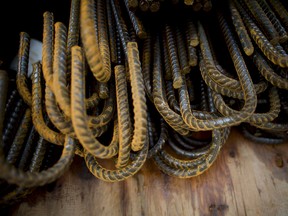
{"x":121,"y":86}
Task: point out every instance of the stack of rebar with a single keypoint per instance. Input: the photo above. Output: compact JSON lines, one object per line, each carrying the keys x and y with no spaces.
{"x":122,"y":87}
{"x":155,"y":5}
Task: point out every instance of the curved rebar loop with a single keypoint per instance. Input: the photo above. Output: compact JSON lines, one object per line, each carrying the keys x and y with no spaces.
{"x":58,"y":119}
{"x":146,"y":65}
{"x":271,"y":126}
{"x":111,"y":32}
{"x":138,"y":95}
{"x":19,"y":140}
{"x":107,"y":113}
{"x":182,"y":152}
{"x":190,"y":168}
{"x":32,"y":179}
{"x":263,"y":20}
{"x":265,"y":46}
{"x":37,"y":113}
{"x":117,"y":175}
{"x":283,"y":37}
{"x":161,"y":140}
{"x":79,"y":115}
{"x":257,"y":138}
{"x":123,"y":113}
{"x":173,"y":57}
{"x":60,"y":88}
{"x":89,"y":40}
{"x":281,"y":11}
{"x":224,"y":90}
{"x":184,"y":147}
{"x":47,"y":48}
{"x":103,"y":37}
{"x":216,"y":62}
{"x":268,"y":73}
{"x":257,"y":118}
{"x":182,"y":52}
{"x":62,"y":122}
{"x":121,"y":26}
{"x":136,"y":22}
{"x":96,"y":122}
{"x":232,"y":85}
{"x":259,"y":88}
{"x":250,"y":96}
{"x":60,"y":85}
{"x":21,"y":77}
{"x":241,"y":30}
{"x":173,"y":119}
{"x":262,"y":140}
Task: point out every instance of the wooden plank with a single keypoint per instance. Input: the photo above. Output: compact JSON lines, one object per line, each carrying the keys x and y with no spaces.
{"x":246,"y":179}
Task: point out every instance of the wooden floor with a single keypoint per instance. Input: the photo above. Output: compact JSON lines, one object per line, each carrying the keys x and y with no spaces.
{"x":246,"y":179}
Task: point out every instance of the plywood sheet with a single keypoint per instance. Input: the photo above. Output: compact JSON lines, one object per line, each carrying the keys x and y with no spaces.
{"x":246,"y":179}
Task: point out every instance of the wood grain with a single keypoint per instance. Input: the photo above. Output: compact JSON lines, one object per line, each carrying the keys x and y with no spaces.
{"x":246,"y":179}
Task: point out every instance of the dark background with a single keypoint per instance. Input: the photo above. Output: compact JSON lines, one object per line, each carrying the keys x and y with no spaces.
{"x":27,"y":16}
